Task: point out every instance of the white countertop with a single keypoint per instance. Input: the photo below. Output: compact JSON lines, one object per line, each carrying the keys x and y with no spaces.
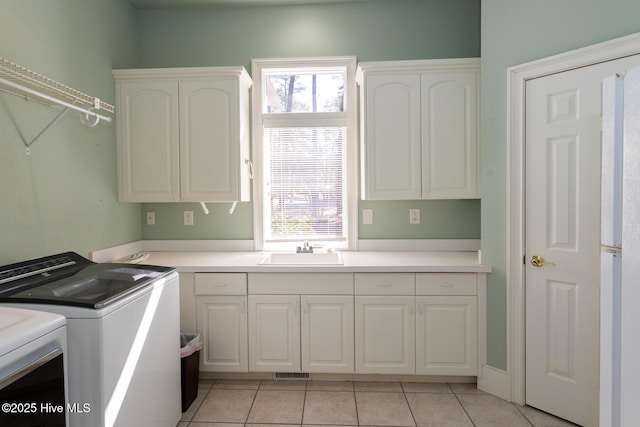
{"x":360,"y":261}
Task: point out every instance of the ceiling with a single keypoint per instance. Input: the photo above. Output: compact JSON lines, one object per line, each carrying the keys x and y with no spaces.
{"x":187,"y":3}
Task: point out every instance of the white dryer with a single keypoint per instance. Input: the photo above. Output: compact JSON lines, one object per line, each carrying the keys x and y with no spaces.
{"x":123,"y":330}
{"x":33,"y":368}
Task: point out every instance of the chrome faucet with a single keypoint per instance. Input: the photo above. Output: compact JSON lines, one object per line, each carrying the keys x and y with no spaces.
{"x":305,"y":249}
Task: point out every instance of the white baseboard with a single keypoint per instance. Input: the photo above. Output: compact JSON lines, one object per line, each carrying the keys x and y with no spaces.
{"x":494,"y":381}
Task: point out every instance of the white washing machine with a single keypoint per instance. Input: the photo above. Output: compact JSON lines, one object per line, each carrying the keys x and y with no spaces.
{"x":33,"y":368}
{"x":123,"y":329}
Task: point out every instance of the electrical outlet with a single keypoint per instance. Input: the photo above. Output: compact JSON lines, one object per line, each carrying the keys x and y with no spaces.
{"x":414,"y":216}
{"x":151,"y":218}
{"x":367,"y":216}
{"x":188,"y":217}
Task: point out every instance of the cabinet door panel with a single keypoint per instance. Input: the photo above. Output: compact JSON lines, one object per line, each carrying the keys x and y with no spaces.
{"x":222,"y":321}
{"x":209,"y":140}
{"x":274,"y":333}
{"x":446,"y":336}
{"x":147,"y":117}
{"x":327,"y":334}
{"x":391,"y":147}
{"x":449,"y":135}
{"x":385,"y":335}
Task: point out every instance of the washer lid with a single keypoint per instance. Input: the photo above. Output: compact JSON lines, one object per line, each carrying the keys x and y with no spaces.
{"x":19,"y":327}
{"x":94,"y":286}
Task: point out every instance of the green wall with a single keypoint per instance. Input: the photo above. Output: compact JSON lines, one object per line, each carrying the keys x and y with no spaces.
{"x":64,"y":195}
{"x":516,"y":32}
{"x":372,"y":31}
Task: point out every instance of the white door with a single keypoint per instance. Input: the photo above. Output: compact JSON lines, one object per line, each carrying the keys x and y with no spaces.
{"x":327,"y":333}
{"x":274,"y":333}
{"x":385,"y":334}
{"x":222,"y":320}
{"x":563,"y":122}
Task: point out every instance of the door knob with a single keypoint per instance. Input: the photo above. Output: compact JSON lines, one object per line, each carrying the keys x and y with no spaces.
{"x":536,"y":260}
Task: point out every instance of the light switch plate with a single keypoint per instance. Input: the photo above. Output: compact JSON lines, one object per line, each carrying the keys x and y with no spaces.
{"x":367,"y":216}
{"x":188,"y":217}
{"x":414,"y":216}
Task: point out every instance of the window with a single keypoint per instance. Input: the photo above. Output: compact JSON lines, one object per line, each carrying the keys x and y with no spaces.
{"x":305,"y":153}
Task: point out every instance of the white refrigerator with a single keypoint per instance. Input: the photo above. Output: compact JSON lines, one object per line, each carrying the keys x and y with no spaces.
{"x":620,"y":255}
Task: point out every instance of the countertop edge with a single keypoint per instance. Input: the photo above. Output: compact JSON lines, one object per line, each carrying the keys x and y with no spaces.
{"x":353,"y":262}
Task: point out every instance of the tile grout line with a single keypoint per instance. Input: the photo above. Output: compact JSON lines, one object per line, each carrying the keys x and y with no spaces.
{"x":304,"y":401}
{"x":404,"y":393}
{"x":355,"y":399}
{"x":523,"y":414}
{"x":462,"y":406}
{"x":201,"y":402}
{"x":255,"y":396}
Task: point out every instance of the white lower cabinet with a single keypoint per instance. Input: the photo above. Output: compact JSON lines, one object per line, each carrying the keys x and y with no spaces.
{"x":446,"y":338}
{"x":385,"y":334}
{"x":301,"y":322}
{"x":368,"y":323}
{"x":274,"y":333}
{"x":327,"y":333}
{"x":221,"y":319}
{"x":308,"y":333}
{"x":447,"y":324}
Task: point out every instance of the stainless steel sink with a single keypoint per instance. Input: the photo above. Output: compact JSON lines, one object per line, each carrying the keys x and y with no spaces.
{"x":290,"y":258}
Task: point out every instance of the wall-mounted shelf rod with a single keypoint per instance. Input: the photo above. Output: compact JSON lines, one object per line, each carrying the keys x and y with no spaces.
{"x":27,"y":84}
{"x":42,"y":96}
{"x":25,"y":78}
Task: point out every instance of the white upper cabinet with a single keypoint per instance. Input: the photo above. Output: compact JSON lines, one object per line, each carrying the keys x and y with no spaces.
{"x":419,"y":129}
{"x":183,"y":134}
{"x":148,"y":144}
{"x":391,"y":151}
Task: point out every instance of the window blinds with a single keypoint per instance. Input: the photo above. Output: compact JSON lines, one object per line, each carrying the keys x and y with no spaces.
{"x":306,"y":171}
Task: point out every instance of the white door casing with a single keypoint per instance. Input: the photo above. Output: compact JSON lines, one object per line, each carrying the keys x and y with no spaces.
{"x":518,"y":76}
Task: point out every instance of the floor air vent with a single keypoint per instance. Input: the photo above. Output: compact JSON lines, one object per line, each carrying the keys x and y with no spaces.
{"x":291,"y":376}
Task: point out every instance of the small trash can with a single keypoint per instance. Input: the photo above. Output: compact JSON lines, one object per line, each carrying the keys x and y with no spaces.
{"x":190,"y":346}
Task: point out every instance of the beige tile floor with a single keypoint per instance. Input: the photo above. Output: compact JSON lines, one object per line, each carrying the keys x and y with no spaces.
{"x":227,"y":403}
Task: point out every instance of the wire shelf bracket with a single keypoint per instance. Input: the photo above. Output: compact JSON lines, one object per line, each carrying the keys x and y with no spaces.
{"x":27,"y":84}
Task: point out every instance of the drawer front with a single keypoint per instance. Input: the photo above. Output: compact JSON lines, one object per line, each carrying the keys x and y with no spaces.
{"x":385,"y":283}
{"x":301,"y":283}
{"x":221,"y":283}
{"x":446,"y":284}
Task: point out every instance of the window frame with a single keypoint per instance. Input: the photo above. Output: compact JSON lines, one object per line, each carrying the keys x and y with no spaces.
{"x":258,"y":117}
